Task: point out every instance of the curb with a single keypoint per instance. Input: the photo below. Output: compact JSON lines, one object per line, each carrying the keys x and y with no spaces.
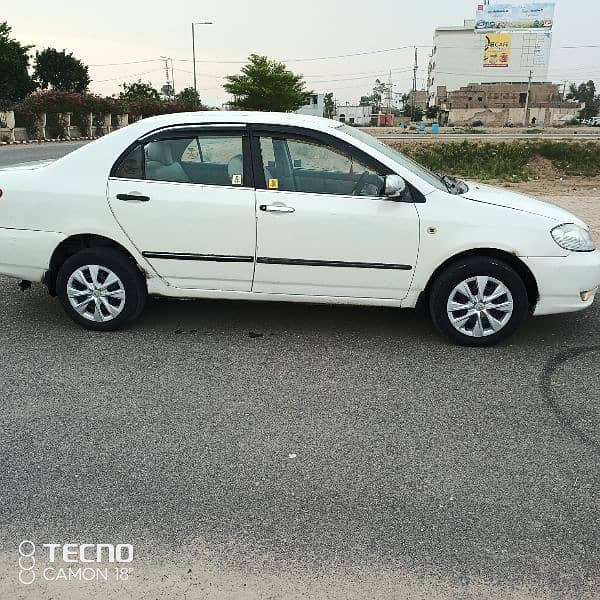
{"x":70,"y":139}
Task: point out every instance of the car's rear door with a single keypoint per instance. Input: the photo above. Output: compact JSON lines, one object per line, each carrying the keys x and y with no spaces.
{"x":323,"y":228}
{"x":186,"y":199}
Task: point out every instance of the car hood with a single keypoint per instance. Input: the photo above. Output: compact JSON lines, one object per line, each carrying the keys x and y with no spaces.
{"x":488,"y":194}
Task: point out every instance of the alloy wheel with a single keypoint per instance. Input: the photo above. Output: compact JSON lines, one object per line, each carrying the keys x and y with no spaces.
{"x":480,"y":306}
{"x":96,"y":293}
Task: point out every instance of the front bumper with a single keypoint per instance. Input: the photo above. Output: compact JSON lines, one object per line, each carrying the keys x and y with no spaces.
{"x":561,"y":280}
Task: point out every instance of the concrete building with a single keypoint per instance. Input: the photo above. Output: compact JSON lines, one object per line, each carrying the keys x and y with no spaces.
{"x":421,"y":99}
{"x":354,"y":115}
{"x":314,"y":106}
{"x":458,"y":58}
{"x":496,"y":104}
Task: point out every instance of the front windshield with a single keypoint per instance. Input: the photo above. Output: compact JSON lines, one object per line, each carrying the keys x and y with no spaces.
{"x":406,"y":162}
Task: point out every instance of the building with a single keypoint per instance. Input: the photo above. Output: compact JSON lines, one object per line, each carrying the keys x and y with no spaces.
{"x":315,"y":106}
{"x":460,"y":57}
{"x":421,"y":99}
{"x":354,"y":115}
{"x":497,"y":104}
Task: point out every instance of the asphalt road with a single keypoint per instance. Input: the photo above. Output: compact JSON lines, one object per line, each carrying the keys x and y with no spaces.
{"x":332,"y":441}
{"x":325,"y":437}
{"x":23,"y":153}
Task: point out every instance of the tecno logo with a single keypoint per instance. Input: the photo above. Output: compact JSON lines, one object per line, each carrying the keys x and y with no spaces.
{"x":69,"y":553}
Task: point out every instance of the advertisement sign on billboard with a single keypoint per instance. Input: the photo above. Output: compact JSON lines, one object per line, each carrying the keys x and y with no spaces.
{"x":517,"y":17}
{"x":497,"y":49}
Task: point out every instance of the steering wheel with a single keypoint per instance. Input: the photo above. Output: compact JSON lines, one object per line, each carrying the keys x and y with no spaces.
{"x":360,"y":184}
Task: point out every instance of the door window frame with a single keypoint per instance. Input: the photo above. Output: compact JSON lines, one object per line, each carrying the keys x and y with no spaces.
{"x":190,"y":132}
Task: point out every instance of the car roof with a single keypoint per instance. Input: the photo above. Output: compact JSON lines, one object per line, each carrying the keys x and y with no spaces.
{"x":218,"y":116}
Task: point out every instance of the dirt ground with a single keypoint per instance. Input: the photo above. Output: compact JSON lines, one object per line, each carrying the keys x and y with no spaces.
{"x":195,"y":580}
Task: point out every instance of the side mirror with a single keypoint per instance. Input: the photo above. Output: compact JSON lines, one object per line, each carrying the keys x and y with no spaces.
{"x":395,"y":187}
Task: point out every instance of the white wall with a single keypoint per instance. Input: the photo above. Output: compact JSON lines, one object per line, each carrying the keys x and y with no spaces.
{"x":355,"y":115}
{"x":458,"y":59}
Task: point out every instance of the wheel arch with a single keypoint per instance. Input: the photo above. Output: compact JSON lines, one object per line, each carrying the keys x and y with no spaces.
{"x":510,"y":259}
{"x":75,"y":243}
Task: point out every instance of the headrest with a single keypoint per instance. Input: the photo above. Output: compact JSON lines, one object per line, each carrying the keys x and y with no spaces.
{"x":160,"y":152}
{"x":236,"y":166}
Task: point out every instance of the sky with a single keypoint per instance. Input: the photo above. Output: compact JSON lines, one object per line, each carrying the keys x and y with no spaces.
{"x":381,"y":34}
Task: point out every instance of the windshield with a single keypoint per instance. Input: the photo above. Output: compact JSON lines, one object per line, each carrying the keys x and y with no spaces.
{"x":406,"y":162}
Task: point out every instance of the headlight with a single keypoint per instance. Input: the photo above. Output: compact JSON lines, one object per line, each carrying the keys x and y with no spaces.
{"x":572,"y":237}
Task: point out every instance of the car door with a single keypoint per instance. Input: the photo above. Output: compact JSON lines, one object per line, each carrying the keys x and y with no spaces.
{"x":323,"y":227}
{"x":186,"y":199}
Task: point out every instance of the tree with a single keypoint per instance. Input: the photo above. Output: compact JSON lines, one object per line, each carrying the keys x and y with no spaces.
{"x":431,"y":112}
{"x":266,"y":85}
{"x":61,"y":71}
{"x":189,"y":96}
{"x":414,"y":113}
{"x":138,"y":91}
{"x":329,"y":102}
{"x":15,"y":83}
{"x":375,"y":99}
{"x":585,"y":92}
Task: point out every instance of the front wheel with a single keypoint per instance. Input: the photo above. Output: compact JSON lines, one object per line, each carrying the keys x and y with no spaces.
{"x":478,"y":301}
{"x":101,"y":289}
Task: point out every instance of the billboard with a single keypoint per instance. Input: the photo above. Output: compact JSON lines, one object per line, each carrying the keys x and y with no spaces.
{"x":497,"y":49}
{"x":516,"y":17}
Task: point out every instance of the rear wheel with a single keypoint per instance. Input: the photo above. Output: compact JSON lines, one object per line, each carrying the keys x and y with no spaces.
{"x":101,"y":289}
{"x":478,"y":301}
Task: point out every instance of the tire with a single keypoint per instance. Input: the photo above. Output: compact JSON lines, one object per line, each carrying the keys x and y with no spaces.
{"x":486,"y":319}
{"x":110,"y":307}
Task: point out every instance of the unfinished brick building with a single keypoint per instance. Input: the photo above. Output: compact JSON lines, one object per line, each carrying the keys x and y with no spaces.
{"x":496,"y":104}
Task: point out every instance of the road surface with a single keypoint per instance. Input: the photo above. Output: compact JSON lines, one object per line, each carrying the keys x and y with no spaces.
{"x":254,"y":450}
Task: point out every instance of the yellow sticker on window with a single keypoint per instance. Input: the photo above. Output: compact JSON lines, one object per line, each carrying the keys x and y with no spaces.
{"x":236,"y":180}
{"x":273,"y":184}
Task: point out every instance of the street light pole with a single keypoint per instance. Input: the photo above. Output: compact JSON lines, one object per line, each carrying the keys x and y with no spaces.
{"x":194,"y":50}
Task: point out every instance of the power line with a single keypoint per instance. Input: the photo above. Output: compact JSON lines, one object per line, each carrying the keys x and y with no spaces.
{"x":121,"y":77}
{"x":133,"y":62}
{"x":332,"y":57}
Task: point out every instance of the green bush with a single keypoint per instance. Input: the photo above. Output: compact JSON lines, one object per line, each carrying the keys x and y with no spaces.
{"x":504,"y":160}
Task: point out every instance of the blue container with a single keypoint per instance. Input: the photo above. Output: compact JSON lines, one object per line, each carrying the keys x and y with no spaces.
{"x":435,"y":128}
{"x":422,"y":127}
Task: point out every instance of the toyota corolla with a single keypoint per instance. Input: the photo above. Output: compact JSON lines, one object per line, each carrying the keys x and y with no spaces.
{"x":281,"y":207}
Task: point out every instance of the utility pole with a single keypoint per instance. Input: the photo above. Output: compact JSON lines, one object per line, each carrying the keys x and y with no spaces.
{"x":389,"y":94}
{"x":172,"y":77}
{"x":194,"y":57}
{"x":194,"y":49}
{"x":414,"y":88}
{"x":526,"y":117}
{"x":168,"y":87}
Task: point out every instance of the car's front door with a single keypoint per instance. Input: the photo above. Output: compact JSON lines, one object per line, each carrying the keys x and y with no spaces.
{"x":323,"y":227}
{"x":186,"y":200}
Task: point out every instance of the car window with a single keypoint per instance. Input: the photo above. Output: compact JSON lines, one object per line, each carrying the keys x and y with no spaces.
{"x":396,"y":156}
{"x":203,"y":159}
{"x":132,"y":166}
{"x":298,"y":165}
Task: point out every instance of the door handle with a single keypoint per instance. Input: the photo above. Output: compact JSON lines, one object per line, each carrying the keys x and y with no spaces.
{"x":277,"y":208}
{"x":137,"y":197}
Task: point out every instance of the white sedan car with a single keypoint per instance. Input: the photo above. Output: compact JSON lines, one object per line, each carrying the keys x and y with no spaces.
{"x":267,"y":206}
